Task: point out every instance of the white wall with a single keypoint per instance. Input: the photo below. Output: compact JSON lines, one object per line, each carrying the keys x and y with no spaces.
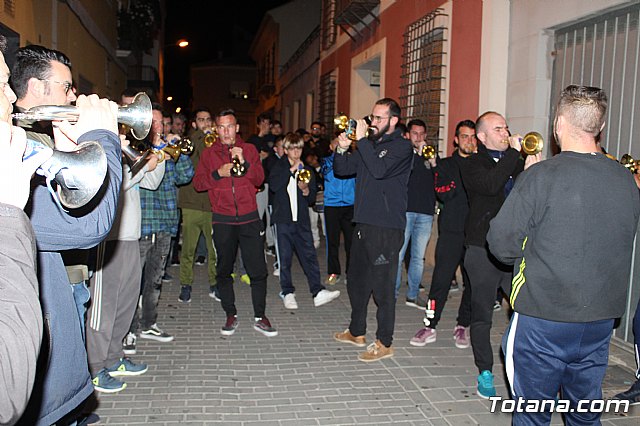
{"x":530,"y":47}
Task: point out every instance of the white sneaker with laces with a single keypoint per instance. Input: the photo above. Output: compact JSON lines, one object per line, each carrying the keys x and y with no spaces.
{"x":325,"y":296}
{"x":290,"y":301}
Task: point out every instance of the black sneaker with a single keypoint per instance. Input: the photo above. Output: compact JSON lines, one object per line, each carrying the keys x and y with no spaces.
{"x":264,"y":326}
{"x":454,"y":286}
{"x":632,"y":395}
{"x":155,"y":333}
{"x":166,"y":278}
{"x":200,"y":260}
{"x":185,"y":294}
{"x":230,"y":326}
{"x":129,"y":344}
{"x":418,"y":302}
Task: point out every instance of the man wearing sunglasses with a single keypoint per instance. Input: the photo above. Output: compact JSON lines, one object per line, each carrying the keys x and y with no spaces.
{"x":382,"y":165}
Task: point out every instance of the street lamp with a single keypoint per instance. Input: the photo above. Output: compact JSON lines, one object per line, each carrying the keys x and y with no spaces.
{"x":182,"y":43}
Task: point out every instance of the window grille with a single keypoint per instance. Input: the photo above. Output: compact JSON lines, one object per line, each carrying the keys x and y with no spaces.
{"x":328,"y":26}
{"x":327,"y":99}
{"x":423,"y":78}
{"x":10,"y":7}
{"x":605,"y":52}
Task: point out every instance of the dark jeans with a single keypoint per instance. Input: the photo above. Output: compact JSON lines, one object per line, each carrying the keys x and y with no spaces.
{"x":297,"y":237}
{"x":154,"y":250}
{"x":486,"y":274}
{"x":373,"y":268}
{"x":449,"y":254}
{"x":338,"y":219}
{"x":250,"y":238}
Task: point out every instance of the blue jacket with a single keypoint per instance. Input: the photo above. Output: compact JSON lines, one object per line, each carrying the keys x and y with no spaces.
{"x":62,"y":374}
{"x":382,"y":171}
{"x":338,"y":191}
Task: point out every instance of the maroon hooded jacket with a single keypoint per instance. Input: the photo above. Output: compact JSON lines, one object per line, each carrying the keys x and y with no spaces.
{"x":233,"y":199}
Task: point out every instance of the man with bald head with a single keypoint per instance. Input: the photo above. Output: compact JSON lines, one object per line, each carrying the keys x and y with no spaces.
{"x":562,"y":241}
{"x":488,"y":177}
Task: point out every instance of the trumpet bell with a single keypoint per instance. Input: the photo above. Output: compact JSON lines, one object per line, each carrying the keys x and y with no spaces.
{"x":210,"y":137}
{"x":532,"y":143}
{"x":304,"y":176}
{"x":137,"y":115}
{"x":79,"y":174}
{"x":428,"y":152}
{"x":631,"y":164}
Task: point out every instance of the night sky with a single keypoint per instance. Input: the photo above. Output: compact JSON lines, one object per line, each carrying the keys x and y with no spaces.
{"x":216,"y":30}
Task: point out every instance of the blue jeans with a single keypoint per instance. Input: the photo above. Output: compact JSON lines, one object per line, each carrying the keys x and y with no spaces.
{"x":418,"y":230}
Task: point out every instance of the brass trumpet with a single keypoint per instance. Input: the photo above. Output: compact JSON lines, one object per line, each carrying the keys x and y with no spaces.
{"x":210,"y":136}
{"x":349,"y":126}
{"x":137,"y":115}
{"x":532,"y":143}
{"x":631,"y":164}
{"x":428,"y":152}
{"x":304,"y":176}
{"x":172,"y":150}
{"x":238,"y":169}
{"x":185,"y":145}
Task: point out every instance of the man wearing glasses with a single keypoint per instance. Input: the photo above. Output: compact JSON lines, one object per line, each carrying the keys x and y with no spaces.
{"x":382,"y":164}
{"x":43,"y":77}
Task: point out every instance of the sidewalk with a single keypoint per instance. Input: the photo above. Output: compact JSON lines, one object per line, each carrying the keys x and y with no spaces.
{"x":303,"y":376}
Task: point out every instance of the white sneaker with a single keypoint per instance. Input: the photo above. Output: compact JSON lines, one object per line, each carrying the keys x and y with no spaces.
{"x":290,"y":301}
{"x":325,"y":296}
{"x":276,"y":272}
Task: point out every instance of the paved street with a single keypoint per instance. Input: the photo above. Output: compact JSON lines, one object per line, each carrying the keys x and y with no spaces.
{"x":303,"y":376}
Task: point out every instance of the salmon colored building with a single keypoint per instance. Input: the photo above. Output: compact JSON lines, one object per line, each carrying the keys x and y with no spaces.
{"x":423,"y":53}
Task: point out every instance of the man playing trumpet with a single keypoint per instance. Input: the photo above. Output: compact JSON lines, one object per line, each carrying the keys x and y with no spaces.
{"x":488,"y":178}
{"x":235,"y":218}
{"x":43,"y":76}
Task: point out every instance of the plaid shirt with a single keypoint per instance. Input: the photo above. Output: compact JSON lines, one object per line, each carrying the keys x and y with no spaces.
{"x":160,"y":207}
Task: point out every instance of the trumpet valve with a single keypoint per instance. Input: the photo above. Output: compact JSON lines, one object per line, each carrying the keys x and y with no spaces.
{"x":237,"y":169}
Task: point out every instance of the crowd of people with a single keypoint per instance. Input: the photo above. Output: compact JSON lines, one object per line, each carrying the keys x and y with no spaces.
{"x":90,"y":278}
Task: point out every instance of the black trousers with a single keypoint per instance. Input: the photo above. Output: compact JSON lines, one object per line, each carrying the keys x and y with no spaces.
{"x":338,"y":219}
{"x":486,"y":275}
{"x":250,"y":238}
{"x":449,"y":254}
{"x":373,"y":269}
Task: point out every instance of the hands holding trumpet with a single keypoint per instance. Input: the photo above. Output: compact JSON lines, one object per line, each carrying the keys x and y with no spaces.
{"x":237,"y":160}
{"x":533,"y":154}
{"x":296,"y":170}
{"x":93,"y":114}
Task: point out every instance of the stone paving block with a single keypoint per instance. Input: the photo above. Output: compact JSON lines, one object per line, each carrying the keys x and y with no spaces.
{"x":303,"y":376}
{"x":469,"y":407}
{"x":497,"y":419}
{"x":465,"y":420}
